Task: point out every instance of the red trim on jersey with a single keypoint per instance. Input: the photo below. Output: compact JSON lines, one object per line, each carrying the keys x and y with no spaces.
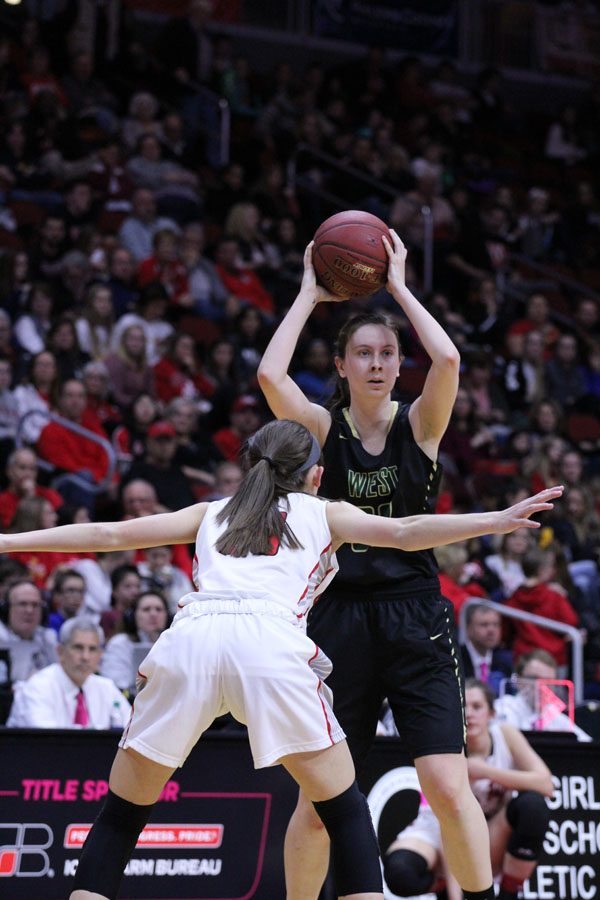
{"x":312,"y":572}
{"x":327,"y":722}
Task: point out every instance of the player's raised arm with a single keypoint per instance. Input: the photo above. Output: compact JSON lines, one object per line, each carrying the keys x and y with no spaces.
{"x":351,"y":525}
{"x":283,"y":395}
{"x":430,"y":413}
{"x":178,"y":527}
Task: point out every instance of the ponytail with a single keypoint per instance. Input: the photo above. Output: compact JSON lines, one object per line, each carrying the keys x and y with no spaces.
{"x":279,"y":455}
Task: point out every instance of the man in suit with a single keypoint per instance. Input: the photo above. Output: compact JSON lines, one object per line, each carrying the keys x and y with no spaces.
{"x":482,"y":656}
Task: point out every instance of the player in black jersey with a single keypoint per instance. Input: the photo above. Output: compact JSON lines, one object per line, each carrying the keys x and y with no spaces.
{"x":384,"y":623}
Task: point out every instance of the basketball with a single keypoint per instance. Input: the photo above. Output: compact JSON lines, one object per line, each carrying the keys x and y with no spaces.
{"x":348,"y":254}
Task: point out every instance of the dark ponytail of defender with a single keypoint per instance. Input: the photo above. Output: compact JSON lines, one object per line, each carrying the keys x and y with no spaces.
{"x":341,"y":394}
{"x":279,"y":455}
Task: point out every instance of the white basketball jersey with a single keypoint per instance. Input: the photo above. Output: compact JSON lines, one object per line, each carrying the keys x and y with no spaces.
{"x":492,"y":796}
{"x":290,"y":578}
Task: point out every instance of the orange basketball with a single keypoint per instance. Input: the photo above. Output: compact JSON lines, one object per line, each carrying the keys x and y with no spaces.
{"x":348,"y":254}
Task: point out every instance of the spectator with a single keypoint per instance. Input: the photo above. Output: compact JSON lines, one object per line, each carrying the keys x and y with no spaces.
{"x":315,"y":376}
{"x":535,"y":596}
{"x":565,"y":376}
{"x":545,"y":419}
{"x":139,"y":498}
{"x":31,"y":329}
{"x":96,"y":322}
{"x":455,"y":576}
{"x":563,"y":141}
{"x":178,"y":373}
{"x":63,"y":343}
{"x":99,"y":411}
{"x":35,"y":514}
{"x":156,"y":466}
{"x":69,"y":451}
{"x":51,"y":245}
{"x":122,"y":279}
{"x":507,"y":563}
{"x":68,"y":592}
{"x":149,"y":314}
{"x":128,"y":369}
{"x":576,"y":526}
{"x":159,"y":574}
{"x":166,"y":267}
{"x":21,"y":473}
{"x":228,"y":477}
{"x":244,"y":420}
{"x":195,"y":454}
{"x":571,"y":468}
{"x":239,"y":280}
{"x":96,"y":574}
{"x":9,"y":412}
{"x":211,"y":300}
{"x":482,"y":654}
{"x":522,"y":710}
{"x":142,"y":624}
{"x":538,"y":318}
{"x":30,"y":644}
{"x":175,"y":187}
{"x":137,"y":231}
{"x":523,"y":377}
{"x":141,"y":119}
{"x":126,"y":586}
{"x":68,"y":694}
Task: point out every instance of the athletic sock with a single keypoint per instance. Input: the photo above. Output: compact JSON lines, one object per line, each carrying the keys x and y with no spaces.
{"x":480,"y":895}
{"x":510,"y":887}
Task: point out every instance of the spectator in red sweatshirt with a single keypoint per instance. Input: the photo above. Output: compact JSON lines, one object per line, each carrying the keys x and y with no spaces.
{"x":536,"y":596}
{"x":239,"y":280}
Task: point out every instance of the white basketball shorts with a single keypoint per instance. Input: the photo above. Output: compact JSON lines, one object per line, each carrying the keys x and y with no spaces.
{"x":245,"y":657}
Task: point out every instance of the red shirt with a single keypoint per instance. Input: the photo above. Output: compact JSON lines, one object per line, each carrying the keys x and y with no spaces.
{"x":41,"y":564}
{"x":9,"y":502}
{"x":246,"y":285}
{"x":543,"y":601}
{"x":170,"y":382}
{"x":228,"y":443}
{"x":458,"y":593}
{"x":72,"y":452}
{"x":172,"y":275}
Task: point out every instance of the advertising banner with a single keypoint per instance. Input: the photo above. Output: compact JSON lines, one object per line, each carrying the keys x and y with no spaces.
{"x":414,"y":26}
{"x":217,"y":831}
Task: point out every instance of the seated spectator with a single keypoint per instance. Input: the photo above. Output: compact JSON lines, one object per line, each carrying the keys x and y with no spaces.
{"x":166,"y":267}
{"x":576,"y":525}
{"x":95,"y":324}
{"x":211,"y":300}
{"x":138,"y":498}
{"x":522,"y":709}
{"x":536,"y":596}
{"x":128,"y":369}
{"x":68,"y":694}
{"x":178,"y":373}
{"x":141,"y":119}
{"x":68,"y":592}
{"x":96,"y":574}
{"x":510,"y":782}
{"x":195,"y":453}
{"x":9,"y":413}
{"x":63,"y":343}
{"x":122,"y":279}
{"x":455,"y":575}
{"x":31,"y":329}
{"x":21,"y":474}
{"x":69,"y":451}
{"x":565,"y":376}
{"x":175,"y":187}
{"x":38,"y":391}
{"x":125,"y":587}
{"x":243,"y":223}
{"x":538,"y":318}
{"x":507,"y":563}
{"x":239,"y":280}
{"x":159,"y":574}
{"x":228,"y":477}
{"x":482,"y":654}
{"x":142,"y":624}
{"x":150,"y":312}
{"x":99,"y":411}
{"x":30,"y":644}
{"x":137,"y":231}
{"x":35,"y":514}
{"x":314,"y":378}
{"x":156,"y":466}
{"x":250,"y":336}
{"x":244,"y":420}
{"x":129,"y":438}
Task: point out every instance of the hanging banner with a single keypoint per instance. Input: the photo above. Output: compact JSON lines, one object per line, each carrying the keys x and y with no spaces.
{"x":413,"y":26}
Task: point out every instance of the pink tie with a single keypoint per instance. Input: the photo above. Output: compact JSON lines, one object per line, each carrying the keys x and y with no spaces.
{"x":81,"y":713}
{"x":484,"y":671}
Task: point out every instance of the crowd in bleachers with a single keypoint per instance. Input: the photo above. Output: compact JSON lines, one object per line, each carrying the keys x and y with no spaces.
{"x":140,"y":283}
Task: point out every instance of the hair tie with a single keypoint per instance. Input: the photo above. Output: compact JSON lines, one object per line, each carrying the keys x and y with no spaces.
{"x":267,"y":459}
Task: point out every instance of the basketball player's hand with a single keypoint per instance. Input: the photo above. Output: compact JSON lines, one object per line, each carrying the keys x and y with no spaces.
{"x":309,"y":281}
{"x":517,"y":516}
{"x":396,"y":262}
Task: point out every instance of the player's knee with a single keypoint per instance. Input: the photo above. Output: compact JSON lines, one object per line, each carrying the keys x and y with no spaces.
{"x":406,"y":873}
{"x":308,"y":818}
{"x":354,"y":847}
{"x":448,"y":799}
{"x":528,"y":816}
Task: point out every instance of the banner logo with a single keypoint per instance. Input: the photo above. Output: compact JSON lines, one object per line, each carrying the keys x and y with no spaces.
{"x":23,"y":848}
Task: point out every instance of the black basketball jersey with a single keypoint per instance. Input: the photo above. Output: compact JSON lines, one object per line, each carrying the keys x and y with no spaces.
{"x":400,"y":481}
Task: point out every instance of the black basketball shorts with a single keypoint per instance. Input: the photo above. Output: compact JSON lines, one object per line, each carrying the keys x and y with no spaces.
{"x":403,"y":648}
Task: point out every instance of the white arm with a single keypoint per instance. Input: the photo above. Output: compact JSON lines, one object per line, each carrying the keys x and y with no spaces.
{"x":430,"y":413}
{"x":283,"y":395}
{"x":348,"y":524}
{"x":178,"y":527}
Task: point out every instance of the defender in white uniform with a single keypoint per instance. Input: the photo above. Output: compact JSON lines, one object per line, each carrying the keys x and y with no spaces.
{"x":238,"y":643}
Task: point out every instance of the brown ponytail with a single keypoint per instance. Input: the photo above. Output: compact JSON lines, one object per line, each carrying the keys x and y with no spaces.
{"x":277,"y":455}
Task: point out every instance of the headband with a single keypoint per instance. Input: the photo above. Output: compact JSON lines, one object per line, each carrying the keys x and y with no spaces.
{"x":312,"y":458}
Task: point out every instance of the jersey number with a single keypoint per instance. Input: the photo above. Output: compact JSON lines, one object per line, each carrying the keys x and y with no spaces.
{"x":384,"y":509}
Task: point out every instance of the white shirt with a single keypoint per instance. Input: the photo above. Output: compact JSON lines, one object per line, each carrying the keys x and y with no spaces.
{"x":28,"y":656}
{"x":98,"y":587}
{"x":515,"y":710}
{"x":118,"y":659}
{"x":291,"y":579}
{"x":49,"y":698}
